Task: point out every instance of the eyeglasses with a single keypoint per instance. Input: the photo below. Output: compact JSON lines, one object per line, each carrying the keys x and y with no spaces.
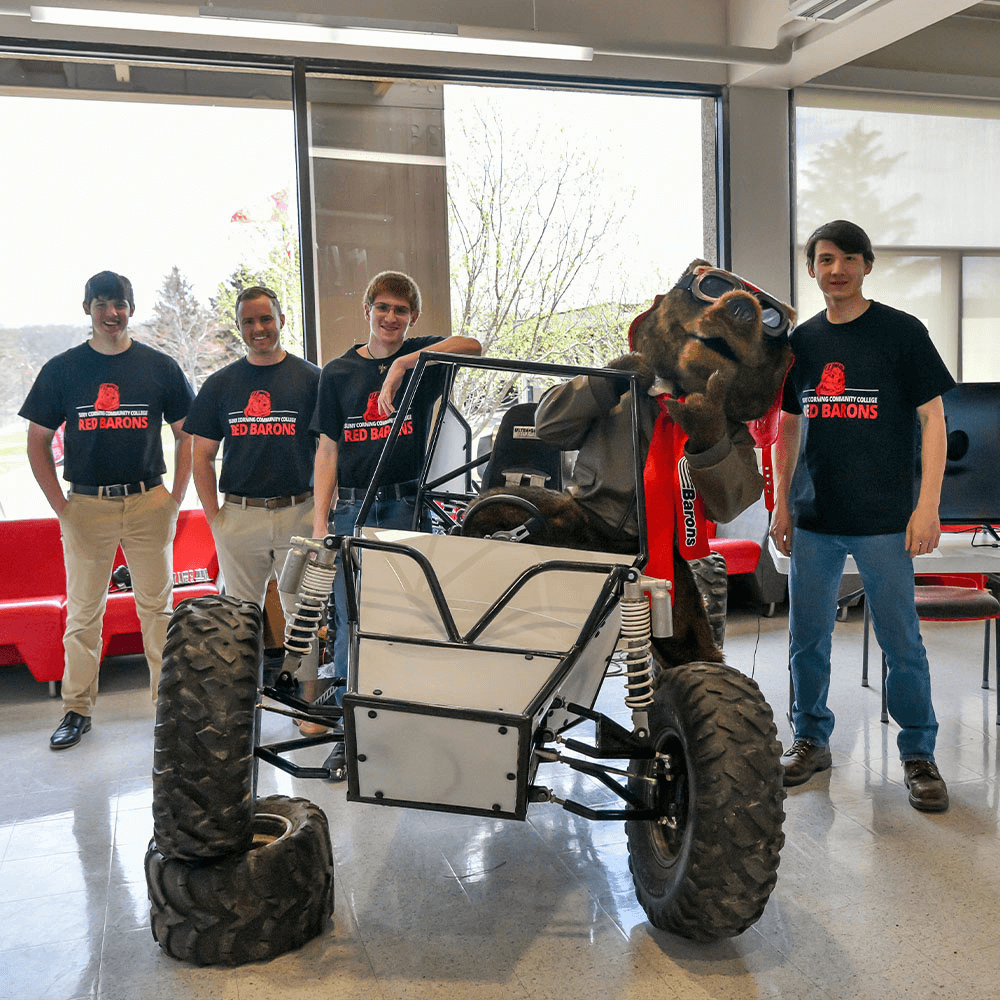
{"x":711,"y":285}
{"x":383,"y":309}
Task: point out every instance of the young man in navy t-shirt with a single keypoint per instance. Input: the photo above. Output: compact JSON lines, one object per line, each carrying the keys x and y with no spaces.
{"x":865,"y":377}
{"x":355,"y":410}
{"x":113,"y":394}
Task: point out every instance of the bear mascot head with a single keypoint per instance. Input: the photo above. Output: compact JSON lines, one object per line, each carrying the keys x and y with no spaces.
{"x":709,"y":358}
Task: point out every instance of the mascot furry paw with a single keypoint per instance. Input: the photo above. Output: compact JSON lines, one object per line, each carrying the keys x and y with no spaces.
{"x":710,"y":358}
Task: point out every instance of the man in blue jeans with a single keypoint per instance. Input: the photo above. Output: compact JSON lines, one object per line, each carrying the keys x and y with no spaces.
{"x":864,"y":377}
{"x":354,"y":412}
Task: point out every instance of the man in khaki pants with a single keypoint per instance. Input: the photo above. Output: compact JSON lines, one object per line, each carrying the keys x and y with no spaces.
{"x":260,"y":406}
{"x":113,"y":394}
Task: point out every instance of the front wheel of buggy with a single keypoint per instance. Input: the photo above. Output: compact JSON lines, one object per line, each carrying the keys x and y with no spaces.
{"x":247,"y":907}
{"x":704,"y":869}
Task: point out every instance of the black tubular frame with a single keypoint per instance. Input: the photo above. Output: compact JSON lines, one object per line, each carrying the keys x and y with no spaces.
{"x":456,"y":361}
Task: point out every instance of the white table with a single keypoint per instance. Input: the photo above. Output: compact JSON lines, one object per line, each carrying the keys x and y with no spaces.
{"x":955,"y":554}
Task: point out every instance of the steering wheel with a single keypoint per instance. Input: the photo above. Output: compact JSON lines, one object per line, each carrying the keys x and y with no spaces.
{"x":534,"y":523}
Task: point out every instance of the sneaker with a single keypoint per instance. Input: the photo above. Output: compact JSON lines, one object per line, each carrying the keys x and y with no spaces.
{"x":802,"y":760}
{"x":336,"y":763}
{"x":928,"y":792}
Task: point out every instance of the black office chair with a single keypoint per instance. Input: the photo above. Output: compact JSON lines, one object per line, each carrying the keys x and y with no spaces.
{"x":519,"y":458}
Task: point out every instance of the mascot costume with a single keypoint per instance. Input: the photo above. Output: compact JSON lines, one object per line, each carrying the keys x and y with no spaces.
{"x":710,"y":358}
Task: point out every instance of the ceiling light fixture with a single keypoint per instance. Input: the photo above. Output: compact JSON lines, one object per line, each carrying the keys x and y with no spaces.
{"x":287,"y":31}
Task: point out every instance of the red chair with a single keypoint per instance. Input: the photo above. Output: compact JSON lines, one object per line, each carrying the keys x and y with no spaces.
{"x":951,"y":597}
{"x":196,"y":568}
{"x":33,"y":597}
{"x":33,"y":592}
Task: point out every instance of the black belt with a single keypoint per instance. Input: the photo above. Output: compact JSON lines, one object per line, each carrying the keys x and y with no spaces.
{"x":118,"y":490}
{"x":270,"y":503}
{"x":398,"y":491}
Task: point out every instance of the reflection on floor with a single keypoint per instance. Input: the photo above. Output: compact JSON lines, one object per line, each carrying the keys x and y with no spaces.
{"x":874,"y":900}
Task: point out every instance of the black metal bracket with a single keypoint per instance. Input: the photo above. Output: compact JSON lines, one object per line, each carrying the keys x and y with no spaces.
{"x":611,"y":741}
{"x":322,"y":715}
{"x":273,"y":751}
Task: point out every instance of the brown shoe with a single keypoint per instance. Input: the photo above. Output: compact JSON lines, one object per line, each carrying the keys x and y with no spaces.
{"x":928,"y":792}
{"x":310,"y":728}
{"x":802,"y":760}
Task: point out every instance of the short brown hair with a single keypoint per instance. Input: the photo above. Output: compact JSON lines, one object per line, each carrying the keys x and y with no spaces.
{"x":395,"y":283}
{"x":256,"y":292}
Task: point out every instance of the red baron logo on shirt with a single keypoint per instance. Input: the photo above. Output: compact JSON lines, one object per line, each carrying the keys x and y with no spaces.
{"x":108,"y":397}
{"x":831,"y":399}
{"x":259,"y":418}
{"x":833,"y":381}
{"x":371,"y":411}
{"x":108,"y":412}
{"x":259,"y":404}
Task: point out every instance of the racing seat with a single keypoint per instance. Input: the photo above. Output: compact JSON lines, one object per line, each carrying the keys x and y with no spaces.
{"x":519,"y":458}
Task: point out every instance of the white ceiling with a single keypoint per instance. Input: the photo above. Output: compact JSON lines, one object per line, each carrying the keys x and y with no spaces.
{"x":738,"y":42}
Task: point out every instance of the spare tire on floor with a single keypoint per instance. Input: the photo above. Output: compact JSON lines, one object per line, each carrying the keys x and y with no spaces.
{"x":248,"y":907}
{"x":204,"y":737}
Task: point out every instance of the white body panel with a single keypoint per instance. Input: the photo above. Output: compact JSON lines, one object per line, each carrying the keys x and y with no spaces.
{"x":451,"y":728}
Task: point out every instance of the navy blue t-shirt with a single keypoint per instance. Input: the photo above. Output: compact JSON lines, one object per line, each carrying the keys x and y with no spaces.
{"x":346,"y":412}
{"x":858,"y":385}
{"x":262,"y":414}
{"x":114,"y":406}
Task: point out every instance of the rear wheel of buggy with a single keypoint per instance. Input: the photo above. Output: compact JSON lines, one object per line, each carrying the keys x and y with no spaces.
{"x":706,"y":867}
{"x":248,"y":907}
{"x":203,"y":743}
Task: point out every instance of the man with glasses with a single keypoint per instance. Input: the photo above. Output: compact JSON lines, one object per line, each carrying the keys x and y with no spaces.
{"x":864,"y":376}
{"x":260,"y":407}
{"x":113,"y":393}
{"x":355,"y":410}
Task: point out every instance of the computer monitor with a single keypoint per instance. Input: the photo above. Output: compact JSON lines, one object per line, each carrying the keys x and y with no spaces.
{"x":970,"y":493}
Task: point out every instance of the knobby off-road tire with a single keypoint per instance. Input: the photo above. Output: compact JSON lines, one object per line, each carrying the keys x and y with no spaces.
{"x":706,"y":870}
{"x":713,"y":584}
{"x":204,"y":736}
{"x":248,"y":907}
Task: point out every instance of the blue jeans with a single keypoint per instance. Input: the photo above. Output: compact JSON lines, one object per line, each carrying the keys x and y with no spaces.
{"x":886,"y":570}
{"x":383,"y":514}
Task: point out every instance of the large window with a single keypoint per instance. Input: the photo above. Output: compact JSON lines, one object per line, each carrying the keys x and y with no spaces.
{"x":916,"y":175}
{"x":538,"y":220}
{"x":188,"y":194}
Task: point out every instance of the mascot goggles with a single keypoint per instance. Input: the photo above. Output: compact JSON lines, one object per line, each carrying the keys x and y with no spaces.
{"x":711,"y":285}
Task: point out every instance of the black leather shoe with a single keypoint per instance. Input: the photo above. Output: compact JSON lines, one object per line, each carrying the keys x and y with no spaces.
{"x":928,"y":792}
{"x":70,"y":731}
{"x":802,"y":760}
{"x":336,"y":763}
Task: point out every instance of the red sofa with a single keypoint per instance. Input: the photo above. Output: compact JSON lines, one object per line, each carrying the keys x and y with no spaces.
{"x":33,"y":592}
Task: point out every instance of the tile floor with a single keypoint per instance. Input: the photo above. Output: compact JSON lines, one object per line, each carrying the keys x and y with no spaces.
{"x":873,"y":900}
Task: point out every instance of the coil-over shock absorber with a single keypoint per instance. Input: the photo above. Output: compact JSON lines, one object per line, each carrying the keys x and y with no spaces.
{"x":308,"y":574}
{"x":646,"y":612}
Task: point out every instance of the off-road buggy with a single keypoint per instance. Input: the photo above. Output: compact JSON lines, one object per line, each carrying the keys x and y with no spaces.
{"x":475,"y":666}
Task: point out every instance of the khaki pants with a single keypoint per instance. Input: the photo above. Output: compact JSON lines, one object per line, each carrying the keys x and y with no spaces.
{"x":252,"y":543}
{"x":92,"y":528}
